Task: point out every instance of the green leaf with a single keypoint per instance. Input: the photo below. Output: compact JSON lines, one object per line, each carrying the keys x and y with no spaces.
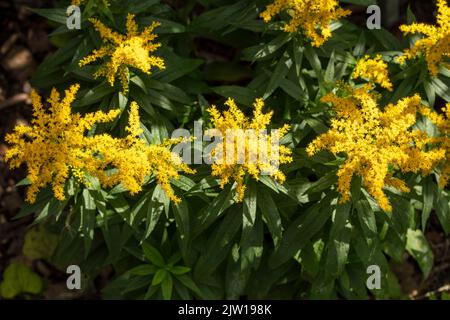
{"x":271,"y":215}
{"x":184,"y":183}
{"x":136,"y":283}
{"x":120,"y":204}
{"x":316,"y":125}
{"x":302,"y":230}
{"x":360,"y":46}
{"x":314,"y":60}
{"x":386,"y":39}
{"x":445,"y":296}
{"x":56,"y":15}
{"x":251,"y":244}
{"x":114,"y":239}
{"x":159,"y":276}
{"x":430,"y":92}
{"x":39,"y":243}
{"x":140,"y":96}
{"x":323,"y":183}
{"x":167,"y":287}
{"x":167,"y":26}
{"x":235,"y":278}
{"x":242,"y":95}
{"x":181,"y":213}
{"x":18,"y":279}
{"x":43,"y":199}
{"x":157,"y":204}
{"x":94,"y":95}
{"x":428,"y":188}
{"x":263,"y":51}
{"x":295,"y":91}
{"x":311,"y":257}
{"x":250,"y":203}
{"x":182,"y":291}
{"x":176,"y":68}
{"x":443,"y":211}
{"x":218,"y":247}
{"x":153,"y":255}
{"x":329,"y":72}
{"x":298,"y":58}
{"x":410,"y":17}
{"x":338,"y":242}
{"x":179,"y":270}
{"x":417,"y":246}
{"x":170,"y":91}
{"x":366,"y":218}
{"x":216,"y":18}
{"x":139,"y":208}
{"x":368,"y":224}
{"x":188,"y":283}
{"x":213,"y":211}
{"x":269,"y":182}
{"x":404,"y":89}
{"x":142,"y":270}
{"x":23,"y":182}
{"x":441,"y":89}
{"x":151,"y":292}
{"x":280,"y":72}
{"x":160,"y":100}
{"x":322,"y":288}
{"x":88,"y":219}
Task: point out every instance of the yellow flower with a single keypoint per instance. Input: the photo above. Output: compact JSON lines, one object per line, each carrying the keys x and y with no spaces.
{"x":123,"y":51}
{"x":374,"y":70}
{"x":56,"y":145}
{"x":245,"y":146}
{"x":442,"y":121}
{"x":435,"y":46}
{"x":79,"y":2}
{"x":373,"y":141}
{"x":312,"y":16}
{"x":133,"y":160}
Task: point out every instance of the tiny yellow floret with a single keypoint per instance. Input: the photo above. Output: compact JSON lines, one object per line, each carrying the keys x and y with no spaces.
{"x":442,"y":122}
{"x":79,"y":2}
{"x":313,"y":17}
{"x":373,"y":70}
{"x":57,"y":146}
{"x":245,"y":146}
{"x":55,"y":143}
{"x":120,"y":52}
{"x":435,"y":46}
{"x":374,"y":141}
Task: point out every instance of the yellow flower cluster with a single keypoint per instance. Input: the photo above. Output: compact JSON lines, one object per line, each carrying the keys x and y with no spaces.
{"x":312,"y":16}
{"x":124,"y":51}
{"x":56,"y":145}
{"x":436,"y":45}
{"x":79,"y":2}
{"x":133,"y":160}
{"x":442,"y":121}
{"x":374,"y":70}
{"x":246,"y":146}
{"x":373,"y":141}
